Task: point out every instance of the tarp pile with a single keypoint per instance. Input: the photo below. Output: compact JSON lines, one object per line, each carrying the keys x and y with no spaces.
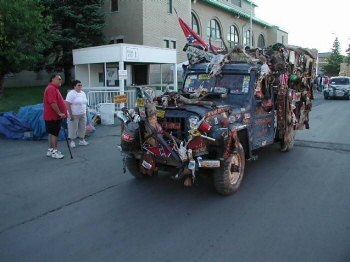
{"x":12,"y":127}
{"x":28,"y":124}
{"x":34,"y":116}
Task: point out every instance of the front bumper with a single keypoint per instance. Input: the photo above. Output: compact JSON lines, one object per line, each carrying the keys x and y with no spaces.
{"x":336,"y":93}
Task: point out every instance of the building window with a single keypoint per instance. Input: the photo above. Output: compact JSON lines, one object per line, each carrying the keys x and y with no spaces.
{"x":246,"y":39}
{"x":232,"y":36}
{"x":114,"y":5}
{"x":213,"y":29}
{"x":195,"y":24}
{"x":237,"y":2}
{"x":261,"y":41}
{"x":116,"y":40}
{"x":166,"y":43}
{"x":169,"y":43}
{"x":169,"y":6}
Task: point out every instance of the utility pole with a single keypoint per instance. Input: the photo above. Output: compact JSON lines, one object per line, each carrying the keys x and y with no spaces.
{"x":251,"y":25}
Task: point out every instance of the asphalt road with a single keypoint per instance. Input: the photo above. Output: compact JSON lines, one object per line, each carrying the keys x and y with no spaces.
{"x":291,"y":206}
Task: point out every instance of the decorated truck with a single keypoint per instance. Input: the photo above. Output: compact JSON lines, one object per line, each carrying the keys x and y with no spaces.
{"x":232,"y":103}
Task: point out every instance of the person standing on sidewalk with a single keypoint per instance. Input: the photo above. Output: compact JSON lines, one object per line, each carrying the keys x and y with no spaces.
{"x":55,"y":111}
{"x":326,"y":82}
{"x":76,"y":102}
{"x":320,"y":83}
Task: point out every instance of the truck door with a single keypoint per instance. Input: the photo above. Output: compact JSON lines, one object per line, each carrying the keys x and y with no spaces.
{"x":263,"y":115}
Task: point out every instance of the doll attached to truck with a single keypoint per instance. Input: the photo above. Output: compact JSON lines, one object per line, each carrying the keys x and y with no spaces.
{"x":232,"y":103}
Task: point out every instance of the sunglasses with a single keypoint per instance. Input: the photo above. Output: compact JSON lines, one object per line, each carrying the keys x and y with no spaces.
{"x":80,"y":85}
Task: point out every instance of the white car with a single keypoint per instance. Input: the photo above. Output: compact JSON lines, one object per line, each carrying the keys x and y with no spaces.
{"x":339,"y":87}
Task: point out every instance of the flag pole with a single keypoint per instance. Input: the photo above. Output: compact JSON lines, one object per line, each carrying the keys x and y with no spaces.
{"x":251,"y":25}
{"x":176,"y":12}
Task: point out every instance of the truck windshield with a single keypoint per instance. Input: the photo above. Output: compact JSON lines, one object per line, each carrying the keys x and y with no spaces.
{"x":238,"y":84}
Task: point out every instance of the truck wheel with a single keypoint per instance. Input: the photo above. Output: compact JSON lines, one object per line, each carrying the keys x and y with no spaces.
{"x":228,"y":177}
{"x":133,"y":166}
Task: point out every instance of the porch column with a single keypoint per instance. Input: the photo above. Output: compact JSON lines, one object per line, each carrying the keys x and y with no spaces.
{"x":175,"y":76}
{"x":161,"y":79}
{"x":89,"y":75}
{"x":121,"y":82}
{"x":105,"y":70}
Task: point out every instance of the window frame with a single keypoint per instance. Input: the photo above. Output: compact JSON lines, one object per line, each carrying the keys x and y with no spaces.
{"x":166,"y":43}
{"x":194,"y":18}
{"x":237,"y":2}
{"x":246,"y":39}
{"x":115,"y":3}
{"x":261,"y":41}
{"x":169,"y":6}
{"x":216,"y":29}
{"x":235,"y":35}
{"x":169,"y":43}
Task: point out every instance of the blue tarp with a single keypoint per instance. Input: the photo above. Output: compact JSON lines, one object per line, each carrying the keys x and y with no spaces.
{"x":34,"y":116}
{"x":31,"y":118}
{"x":12,"y":127}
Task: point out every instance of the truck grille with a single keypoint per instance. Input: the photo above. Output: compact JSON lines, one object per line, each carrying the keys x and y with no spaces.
{"x":175,"y":125}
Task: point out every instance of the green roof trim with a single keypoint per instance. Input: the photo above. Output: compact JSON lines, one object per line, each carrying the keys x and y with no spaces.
{"x":251,"y":2}
{"x":237,"y":12}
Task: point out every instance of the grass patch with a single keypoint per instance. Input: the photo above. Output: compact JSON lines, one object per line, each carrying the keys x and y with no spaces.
{"x":16,"y":97}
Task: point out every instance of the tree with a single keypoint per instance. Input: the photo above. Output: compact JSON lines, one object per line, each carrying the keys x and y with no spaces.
{"x":22,"y":36}
{"x":334,"y":60}
{"x":76,"y":24}
{"x":347,"y":58}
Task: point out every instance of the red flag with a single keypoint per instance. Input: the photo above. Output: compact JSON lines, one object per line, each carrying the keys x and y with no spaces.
{"x":193,"y":38}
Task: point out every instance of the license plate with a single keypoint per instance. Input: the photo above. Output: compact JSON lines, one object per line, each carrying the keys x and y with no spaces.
{"x":339,"y":93}
{"x":210,"y":163}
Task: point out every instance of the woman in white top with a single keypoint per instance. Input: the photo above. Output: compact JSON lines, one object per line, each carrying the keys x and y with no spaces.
{"x":77,"y":108}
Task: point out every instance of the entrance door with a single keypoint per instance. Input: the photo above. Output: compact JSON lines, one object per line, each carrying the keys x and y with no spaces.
{"x":140,"y":74}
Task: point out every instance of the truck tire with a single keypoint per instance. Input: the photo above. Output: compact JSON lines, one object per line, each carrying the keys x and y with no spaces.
{"x":132,"y":165}
{"x":228,"y":177}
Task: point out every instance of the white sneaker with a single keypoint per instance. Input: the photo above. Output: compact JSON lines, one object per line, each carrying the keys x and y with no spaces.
{"x":83,"y":143}
{"x":72,"y":144}
{"x":49,"y":152}
{"x":57,"y":154}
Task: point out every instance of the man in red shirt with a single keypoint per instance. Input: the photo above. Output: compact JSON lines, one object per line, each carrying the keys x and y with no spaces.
{"x":54,"y":112}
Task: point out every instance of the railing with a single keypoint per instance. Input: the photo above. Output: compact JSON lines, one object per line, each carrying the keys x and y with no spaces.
{"x":96,"y":98}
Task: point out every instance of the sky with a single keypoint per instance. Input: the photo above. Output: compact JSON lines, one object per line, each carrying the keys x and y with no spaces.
{"x":309,"y":23}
